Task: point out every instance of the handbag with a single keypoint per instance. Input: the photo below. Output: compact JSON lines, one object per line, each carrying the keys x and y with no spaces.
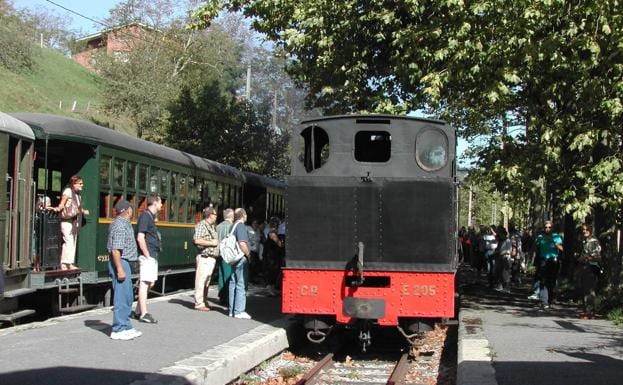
{"x":70,"y":211}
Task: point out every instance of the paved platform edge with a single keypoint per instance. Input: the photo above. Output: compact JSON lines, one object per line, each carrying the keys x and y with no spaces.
{"x":223,"y":363}
{"x":474,"y":366}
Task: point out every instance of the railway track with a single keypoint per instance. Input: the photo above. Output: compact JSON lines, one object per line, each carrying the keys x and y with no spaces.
{"x":360,"y":372}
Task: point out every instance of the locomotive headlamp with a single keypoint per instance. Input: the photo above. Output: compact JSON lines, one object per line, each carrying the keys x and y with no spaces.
{"x":431,"y":149}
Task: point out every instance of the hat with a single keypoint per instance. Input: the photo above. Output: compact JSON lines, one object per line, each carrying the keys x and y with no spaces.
{"x":122,"y":206}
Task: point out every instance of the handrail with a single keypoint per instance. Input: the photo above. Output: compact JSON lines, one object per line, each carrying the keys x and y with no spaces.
{"x":10,"y":226}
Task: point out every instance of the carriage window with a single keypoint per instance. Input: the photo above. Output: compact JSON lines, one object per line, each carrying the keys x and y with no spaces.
{"x":105,"y":170}
{"x":131,"y":177}
{"x":153,"y":181}
{"x":431,"y":149}
{"x":373,"y":146}
{"x":142,"y":178}
{"x":118,"y":173}
{"x":164,"y":182}
{"x":316,"y":148}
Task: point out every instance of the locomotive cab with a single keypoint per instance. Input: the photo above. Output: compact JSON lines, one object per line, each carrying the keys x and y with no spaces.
{"x":371,"y":215}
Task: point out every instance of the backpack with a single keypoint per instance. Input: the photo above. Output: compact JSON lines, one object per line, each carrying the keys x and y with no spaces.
{"x":230,"y":251}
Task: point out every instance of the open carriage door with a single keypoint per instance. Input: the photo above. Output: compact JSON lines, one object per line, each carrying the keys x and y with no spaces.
{"x":17,"y":202}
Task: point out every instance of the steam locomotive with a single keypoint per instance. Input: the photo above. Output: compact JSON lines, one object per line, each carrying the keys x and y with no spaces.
{"x":371,"y":209}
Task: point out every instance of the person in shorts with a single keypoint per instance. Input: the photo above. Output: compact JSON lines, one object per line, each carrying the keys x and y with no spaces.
{"x":148,"y":240}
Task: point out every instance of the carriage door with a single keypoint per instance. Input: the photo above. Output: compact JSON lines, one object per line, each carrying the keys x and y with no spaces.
{"x":17,"y":202}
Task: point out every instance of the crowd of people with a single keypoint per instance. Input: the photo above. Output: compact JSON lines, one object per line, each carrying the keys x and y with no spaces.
{"x":506,"y":256}
{"x":261,"y":243}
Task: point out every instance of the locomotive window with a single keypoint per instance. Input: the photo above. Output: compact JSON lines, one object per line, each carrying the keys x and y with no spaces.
{"x":373,"y":146}
{"x":316,"y":148}
{"x":105,"y":171}
{"x":431,"y":149}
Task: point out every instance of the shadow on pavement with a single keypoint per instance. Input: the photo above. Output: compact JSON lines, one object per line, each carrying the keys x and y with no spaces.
{"x":65,"y":375}
{"x":98,"y":325}
{"x":602,"y":370}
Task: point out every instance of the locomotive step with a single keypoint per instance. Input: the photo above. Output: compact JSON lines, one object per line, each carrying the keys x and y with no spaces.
{"x":76,"y":309}
{"x":12,"y":317}
{"x":18,"y":292}
{"x":68,"y":291}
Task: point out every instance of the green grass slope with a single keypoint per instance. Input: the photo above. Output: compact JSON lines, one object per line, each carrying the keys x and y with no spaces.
{"x":53,"y":86}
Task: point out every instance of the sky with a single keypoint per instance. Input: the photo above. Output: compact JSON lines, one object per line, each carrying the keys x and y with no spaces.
{"x":94,"y":9}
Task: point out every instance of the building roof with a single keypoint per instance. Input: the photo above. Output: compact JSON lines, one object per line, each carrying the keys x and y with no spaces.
{"x":112,"y":29}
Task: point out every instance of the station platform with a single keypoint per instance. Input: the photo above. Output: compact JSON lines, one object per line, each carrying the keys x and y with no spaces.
{"x":186,"y":346}
{"x":507,"y":339}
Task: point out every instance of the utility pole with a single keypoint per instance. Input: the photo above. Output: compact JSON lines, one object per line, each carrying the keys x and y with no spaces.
{"x":469,"y":207}
{"x":275,"y":108}
{"x":248,"y":90}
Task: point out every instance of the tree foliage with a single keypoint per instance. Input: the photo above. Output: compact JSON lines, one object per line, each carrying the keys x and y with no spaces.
{"x":148,"y":74}
{"x":553,"y":66}
{"x":212,"y":123}
{"x":17,"y":51}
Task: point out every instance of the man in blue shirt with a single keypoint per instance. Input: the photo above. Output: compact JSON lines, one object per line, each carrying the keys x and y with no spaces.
{"x":549,"y":246}
{"x":148,"y":240}
{"x":237,"y":284}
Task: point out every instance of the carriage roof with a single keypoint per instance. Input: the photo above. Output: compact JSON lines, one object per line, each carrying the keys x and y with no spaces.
{"x":10,"y":125}
{"x":48,"y":126}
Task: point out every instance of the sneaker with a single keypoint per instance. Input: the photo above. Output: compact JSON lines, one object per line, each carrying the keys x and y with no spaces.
{"x":134,"y":333}
{"x":243,"y":315}
{"x":534,"y":297}
{"x":134,"y":315}
{"x":148,"y":319}
{"x":124,"y":335}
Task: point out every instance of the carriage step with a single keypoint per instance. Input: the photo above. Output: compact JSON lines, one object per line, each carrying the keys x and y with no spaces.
{"x":76,"y":309}
{"x":12,"y":317}
{"x":18,"y":292}
{"x":68,"y":291}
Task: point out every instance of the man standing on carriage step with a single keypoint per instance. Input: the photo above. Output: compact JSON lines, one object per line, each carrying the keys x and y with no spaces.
{"x":122,"y":249}
{"x":148,"y":240}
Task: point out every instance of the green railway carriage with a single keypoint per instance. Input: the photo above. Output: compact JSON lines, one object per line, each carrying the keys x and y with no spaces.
{"x":264,"y":197}
{"x":116,"y":166}
{"x":40,"y":152}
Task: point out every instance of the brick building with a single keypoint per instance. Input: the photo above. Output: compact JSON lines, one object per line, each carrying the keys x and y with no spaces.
{"x":116,"y":41}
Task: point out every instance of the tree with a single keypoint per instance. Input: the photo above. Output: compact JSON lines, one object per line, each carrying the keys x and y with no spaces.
{"x":44,"y":25}
{"x":210,"y":122}
{"x":553,"y":66}
{"x":146,"y":77}
{"x":16,"y":50}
